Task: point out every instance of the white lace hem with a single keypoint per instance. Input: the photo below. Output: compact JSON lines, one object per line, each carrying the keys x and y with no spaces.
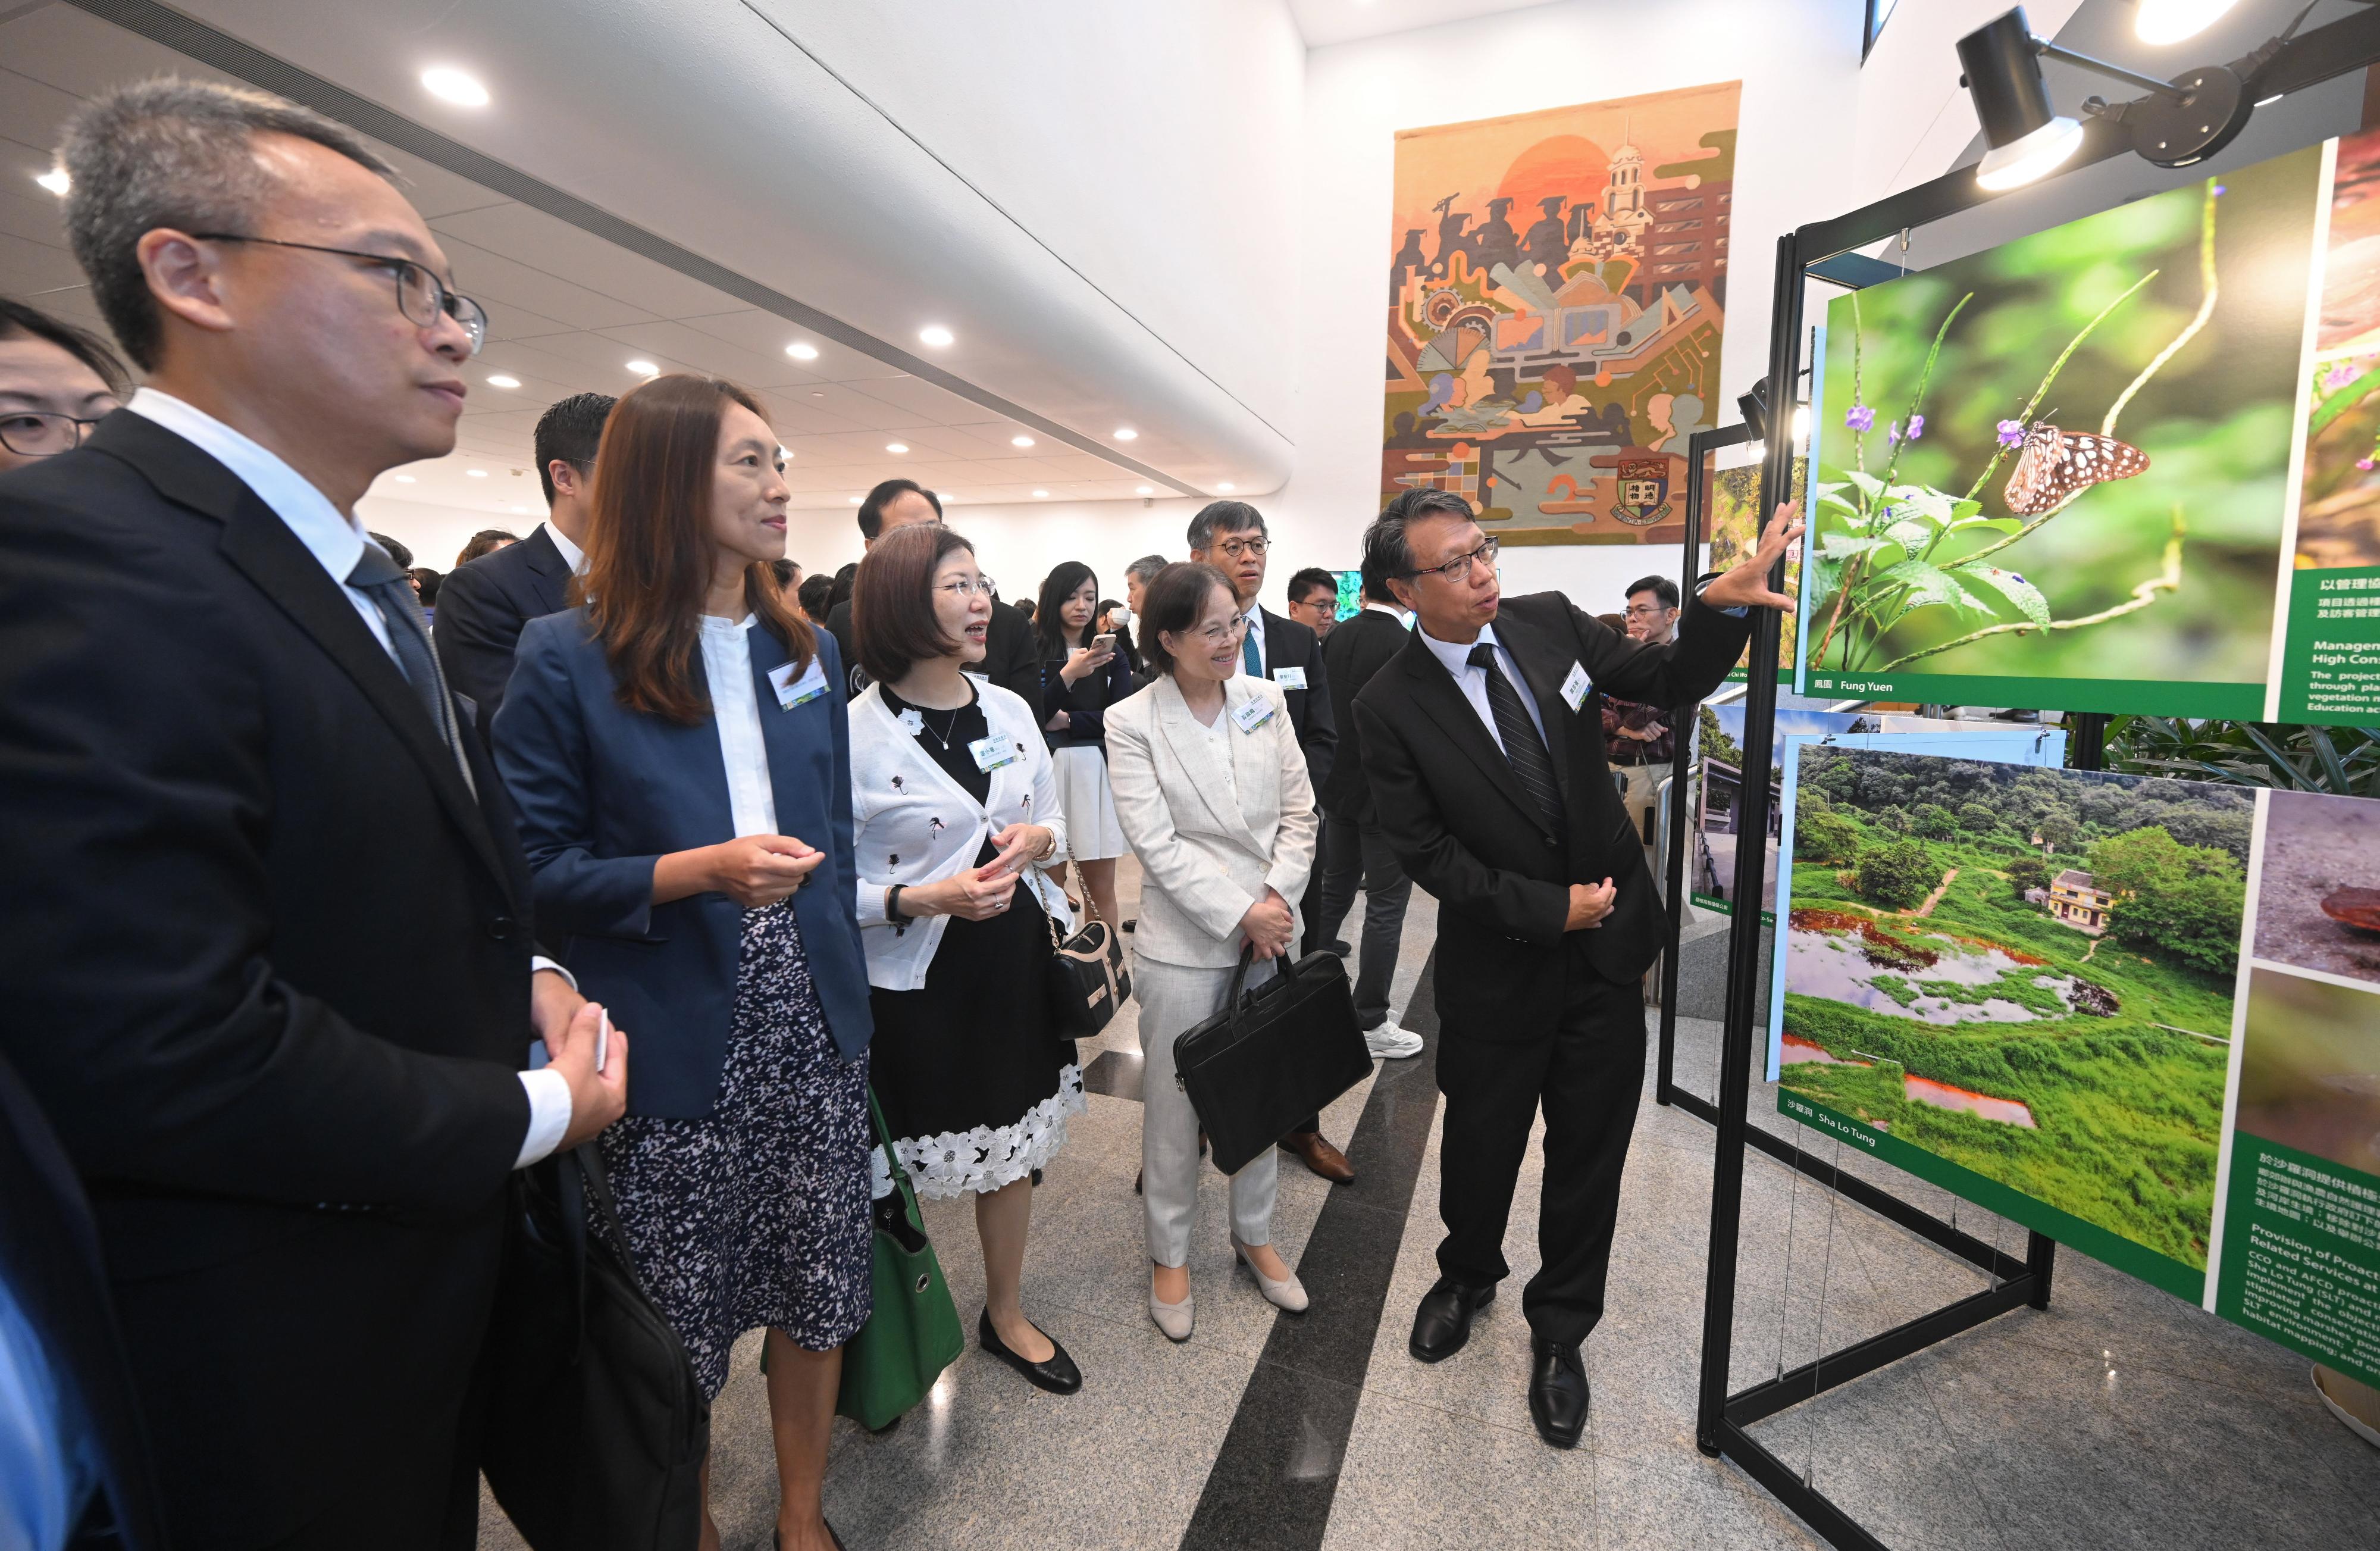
{"x":959,"y":1162}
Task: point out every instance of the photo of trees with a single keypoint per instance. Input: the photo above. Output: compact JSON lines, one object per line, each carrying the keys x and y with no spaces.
{"x":2024,"y":976}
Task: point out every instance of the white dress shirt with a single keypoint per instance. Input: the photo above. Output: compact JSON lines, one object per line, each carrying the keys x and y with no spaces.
{"x":1472,"y":681}
{"x":572,"y":555}
{"x":336,"y":541}
{"x":735,"y":706}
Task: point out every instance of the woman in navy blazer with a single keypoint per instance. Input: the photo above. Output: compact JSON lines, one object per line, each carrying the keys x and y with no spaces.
{"x":682,"y":765}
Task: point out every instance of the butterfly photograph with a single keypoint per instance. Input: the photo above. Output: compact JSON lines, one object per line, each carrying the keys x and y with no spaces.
{"x":2056,"y":472}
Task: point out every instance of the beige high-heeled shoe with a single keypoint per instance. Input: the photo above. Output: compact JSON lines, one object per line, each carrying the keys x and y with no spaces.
{"x":1289,"y":1293}
{"x":1172,"y":1318}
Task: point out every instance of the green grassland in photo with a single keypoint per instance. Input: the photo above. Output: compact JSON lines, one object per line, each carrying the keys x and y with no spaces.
{"x":2114,"y":1043}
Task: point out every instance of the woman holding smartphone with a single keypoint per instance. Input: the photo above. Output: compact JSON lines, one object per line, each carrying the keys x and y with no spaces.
{"x":678,"y":752}
{"x":955,"y":803}
{"x":1082,"y":675}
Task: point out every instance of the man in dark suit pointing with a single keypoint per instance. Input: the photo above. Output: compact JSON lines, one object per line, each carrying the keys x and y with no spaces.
{"x":1496,"y":793}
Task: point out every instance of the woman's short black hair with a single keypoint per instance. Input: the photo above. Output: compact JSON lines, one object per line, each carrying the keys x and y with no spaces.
{"x":817,"y":594}
{"x":20,"y":321}
{"x":1050,"y":614}
{"x":1176,"y":597}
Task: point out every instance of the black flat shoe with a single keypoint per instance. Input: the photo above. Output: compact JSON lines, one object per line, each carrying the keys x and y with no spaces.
{"x":1557,"y":1393}
{"x":1058,"y":1376}
{"x":1442,"y":1323}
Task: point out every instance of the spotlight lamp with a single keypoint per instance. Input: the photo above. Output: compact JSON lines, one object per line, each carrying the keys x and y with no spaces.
{"x":2179,"y":122}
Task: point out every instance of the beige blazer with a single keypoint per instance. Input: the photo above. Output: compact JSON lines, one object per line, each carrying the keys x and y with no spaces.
{"x":1210,"y":842}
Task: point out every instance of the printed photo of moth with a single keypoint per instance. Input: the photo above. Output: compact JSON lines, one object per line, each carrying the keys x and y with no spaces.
{"x":2065,"y":458}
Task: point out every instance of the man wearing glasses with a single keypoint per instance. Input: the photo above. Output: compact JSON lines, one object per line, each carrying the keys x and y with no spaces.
{"x":264,"y":921}
{"x":1491,"y":782}
{"x":1230,"y":536}
{"x":1639,"y":737}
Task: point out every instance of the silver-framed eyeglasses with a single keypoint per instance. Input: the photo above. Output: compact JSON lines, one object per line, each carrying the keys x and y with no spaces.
{"x":1458,"y":571}
{"x":967,"y":586}
{"x":420,"y":295}
{"x":1646,"y":611}
{"x":39,"y":434}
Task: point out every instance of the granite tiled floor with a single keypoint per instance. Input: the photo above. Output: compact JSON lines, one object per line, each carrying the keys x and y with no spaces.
{"x":2119,"y":1417}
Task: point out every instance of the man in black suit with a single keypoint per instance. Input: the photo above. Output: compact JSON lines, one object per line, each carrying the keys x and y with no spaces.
{"x":1496,"y":792}
{"x":483,"y":604}
{"x":1010,"y":657}
{"x":1230,"y":536}
{"x":1355,"y":849}
{"x":264,"y":921}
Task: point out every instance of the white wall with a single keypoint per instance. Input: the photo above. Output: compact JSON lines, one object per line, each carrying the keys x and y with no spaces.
{"x":435,"y":533}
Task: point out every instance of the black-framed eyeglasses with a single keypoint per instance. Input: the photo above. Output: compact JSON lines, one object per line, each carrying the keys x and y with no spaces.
{"x":420,"y":295}
{"x":1458,"y":571}
{"x":39,"y":434}
{"x":1239,"y":548}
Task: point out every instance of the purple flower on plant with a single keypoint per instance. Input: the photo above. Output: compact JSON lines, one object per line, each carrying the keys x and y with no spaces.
{"x":2221,"y":190}
{"x":1916,"y":426}
{"x":2339,"y":376}
{"x":2011,"y":433}
{"x":2365,"y":464}
{"x":1892,"y":434}
{"x":1861,"y":418}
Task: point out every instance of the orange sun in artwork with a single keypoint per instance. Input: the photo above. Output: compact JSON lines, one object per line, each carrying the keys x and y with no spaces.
{"x":1571,"y":165}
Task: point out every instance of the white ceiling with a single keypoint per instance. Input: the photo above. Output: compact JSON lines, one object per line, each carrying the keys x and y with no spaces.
{"x":567,"y":310}
{"x":1344,"y":22}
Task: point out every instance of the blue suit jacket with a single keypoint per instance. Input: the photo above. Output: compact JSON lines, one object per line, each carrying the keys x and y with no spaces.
{"x":603,"y":791}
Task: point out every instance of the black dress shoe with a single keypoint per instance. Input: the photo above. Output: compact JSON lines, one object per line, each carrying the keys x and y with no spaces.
{"x":1557,"y":1392}
{"x":1058,"y":1376}
{"x":1443,"y":1322}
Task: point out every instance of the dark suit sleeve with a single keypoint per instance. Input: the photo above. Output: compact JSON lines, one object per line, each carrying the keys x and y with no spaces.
{"x":1012,"y":657}
{"x":1709,"y":641}
{"x":477,"y":627}
{"x":137,"y":912}
{"x":1407,"y":814}
{"x":1320,"y":740}
{"x":542,"y":746}
{"x":838,"y":625}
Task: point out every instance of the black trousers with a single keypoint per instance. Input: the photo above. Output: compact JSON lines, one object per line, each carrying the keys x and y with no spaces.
{"x":1360,"y":856}
{"x":1586,"y":1072}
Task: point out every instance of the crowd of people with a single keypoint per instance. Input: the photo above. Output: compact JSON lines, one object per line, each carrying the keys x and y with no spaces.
{"x":323,"y":925}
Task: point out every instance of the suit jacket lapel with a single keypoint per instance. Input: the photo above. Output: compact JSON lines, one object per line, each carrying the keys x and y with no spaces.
{"x":1194,"y":750}
{"x":1435,"y":693}
{"x":550,"y":573}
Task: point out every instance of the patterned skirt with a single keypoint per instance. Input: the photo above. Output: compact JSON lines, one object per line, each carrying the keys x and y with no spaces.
{"x":757,"y":1215}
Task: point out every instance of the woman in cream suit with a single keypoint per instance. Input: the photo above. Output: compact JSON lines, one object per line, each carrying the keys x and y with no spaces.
{"x":1211,"y":790}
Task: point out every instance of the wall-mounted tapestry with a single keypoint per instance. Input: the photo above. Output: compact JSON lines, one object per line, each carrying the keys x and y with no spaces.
{"x":1557,"y":288}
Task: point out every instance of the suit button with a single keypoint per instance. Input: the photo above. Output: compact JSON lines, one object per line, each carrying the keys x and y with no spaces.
{"x":1549,"y":842}
{"x":501,"y":928}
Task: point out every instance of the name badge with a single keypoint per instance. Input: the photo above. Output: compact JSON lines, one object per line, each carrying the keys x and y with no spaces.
{"x":1253,"y":715}
{"x":793,"y":692}
{"x":1290,"y":678}
{"x":1575,"y":687}
{"x":992,"y":753}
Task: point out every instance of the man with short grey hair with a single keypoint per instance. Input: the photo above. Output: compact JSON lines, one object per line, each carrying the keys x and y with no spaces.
{"x":264,"y":921}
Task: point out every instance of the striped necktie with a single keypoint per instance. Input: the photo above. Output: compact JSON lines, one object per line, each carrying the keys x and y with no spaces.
{"x":378,"y":578}
{"x":1523,"y":748}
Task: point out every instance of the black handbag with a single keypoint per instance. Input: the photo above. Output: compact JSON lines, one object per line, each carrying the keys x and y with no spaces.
{"x":1272,"y":1056}
{"x":596,"y":1427}
{"x":1087,"y":977}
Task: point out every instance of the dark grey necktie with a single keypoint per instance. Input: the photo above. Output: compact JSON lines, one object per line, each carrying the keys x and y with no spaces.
{"x":378,"y":578}
{"x":1524,"y":749}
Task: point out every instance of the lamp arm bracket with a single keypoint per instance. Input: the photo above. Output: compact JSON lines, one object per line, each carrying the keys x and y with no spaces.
{"x":2114,"y":72}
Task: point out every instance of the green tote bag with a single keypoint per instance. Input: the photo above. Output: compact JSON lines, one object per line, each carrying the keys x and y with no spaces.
{"x":912,"y":1331}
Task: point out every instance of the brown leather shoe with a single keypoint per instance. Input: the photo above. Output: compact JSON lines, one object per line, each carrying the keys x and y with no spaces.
{"x":1320,"y":1156}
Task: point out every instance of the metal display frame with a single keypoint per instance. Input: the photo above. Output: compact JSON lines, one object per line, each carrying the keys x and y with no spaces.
{"x":1828,"y":251}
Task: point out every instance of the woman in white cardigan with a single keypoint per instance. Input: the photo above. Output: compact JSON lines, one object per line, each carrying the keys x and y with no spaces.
{"x":953,"y":801}
{"x":1211,"y":787}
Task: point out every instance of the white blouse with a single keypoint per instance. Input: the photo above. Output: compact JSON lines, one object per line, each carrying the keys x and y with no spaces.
{"x":735,"y":707}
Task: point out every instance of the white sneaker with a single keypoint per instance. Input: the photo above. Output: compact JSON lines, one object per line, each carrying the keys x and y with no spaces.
{"x":1390,"y":1043}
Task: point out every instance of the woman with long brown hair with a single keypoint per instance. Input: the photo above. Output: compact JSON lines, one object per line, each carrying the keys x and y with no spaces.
{"x":678,"y":752}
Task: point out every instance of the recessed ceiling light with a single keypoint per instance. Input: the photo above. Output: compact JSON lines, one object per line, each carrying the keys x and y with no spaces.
{"x":405,"y":479}
{"x":477,"y":473}
{"x":896,"y":446}
{"x":1226,"y":485}
{"x":503,"y":380}
{"x":1125,"y":434}
{"x":1144,"y":490}
{"x":1040,"y":495}
{"x":1020,"y":441}
{"x":55,"y":180}
{"x":644,"y":369}
{"x":518,"y":508}
{"x":854,"y":500}
{"x":801,"y":351}
{"x":936,"y":336}
{"x":818,"y":393}
{"x":452,"y":85}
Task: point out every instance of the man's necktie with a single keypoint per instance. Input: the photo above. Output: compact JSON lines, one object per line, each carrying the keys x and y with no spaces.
{"x":1523,"y":748}
{"x":1248,"y":658}
{"x":377,"y":577}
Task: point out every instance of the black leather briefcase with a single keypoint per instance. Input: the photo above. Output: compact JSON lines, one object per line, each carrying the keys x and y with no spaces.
{"x":1272,"y":1056}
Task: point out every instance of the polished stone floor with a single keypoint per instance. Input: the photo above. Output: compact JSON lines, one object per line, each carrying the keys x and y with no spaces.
{"x":2119,"y":1417}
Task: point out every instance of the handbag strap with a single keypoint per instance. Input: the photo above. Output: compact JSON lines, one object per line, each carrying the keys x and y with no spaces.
{"x":884,"y":1139}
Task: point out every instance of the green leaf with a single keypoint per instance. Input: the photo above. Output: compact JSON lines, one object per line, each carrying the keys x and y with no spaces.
{"x":1843,"y":546}
{"x":1997,"y":524}
{"x":1926,"y":587}
{"x":1869,"y":484}
{"x":2015,"y":589}
{"x":1825,"y":577}
{"x":1909,"y":534}
{"x":1926,"y":502}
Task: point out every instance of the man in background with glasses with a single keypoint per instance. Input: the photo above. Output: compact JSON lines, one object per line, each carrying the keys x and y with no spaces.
{"x":264,"y":921}
{"x":1640,"y":737}
{"x":1230,"y":536}
{"x":56,"y":382}
{"x":1491,"y":782}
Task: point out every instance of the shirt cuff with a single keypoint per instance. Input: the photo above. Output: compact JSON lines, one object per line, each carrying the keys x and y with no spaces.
{"x":1738,"y":612}
{"x":541,"y":961}
{"x":549,"y":1113}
